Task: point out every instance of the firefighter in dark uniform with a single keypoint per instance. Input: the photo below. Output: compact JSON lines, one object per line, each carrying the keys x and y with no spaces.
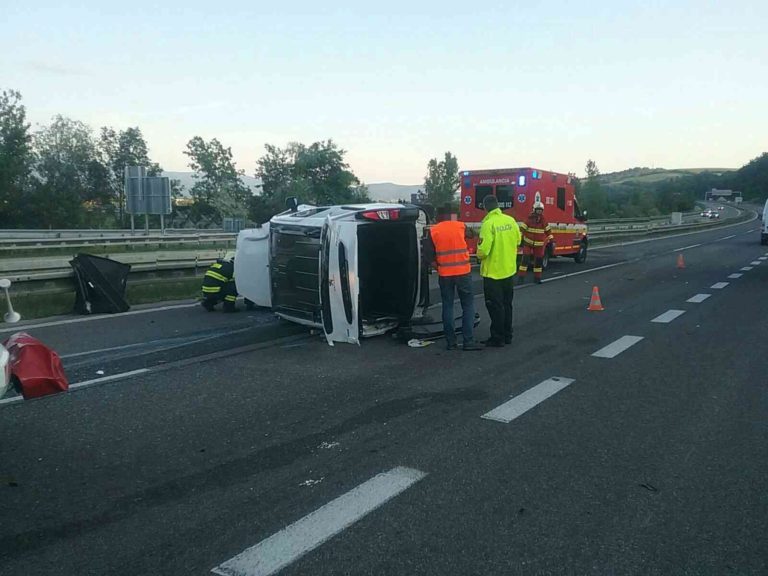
{"x":219,"y":285}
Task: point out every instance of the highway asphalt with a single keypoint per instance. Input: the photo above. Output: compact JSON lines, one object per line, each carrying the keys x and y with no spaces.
{"x":247,"y":446}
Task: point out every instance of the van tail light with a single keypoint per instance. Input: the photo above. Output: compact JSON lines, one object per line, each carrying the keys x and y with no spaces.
{"x":386,"y":214}
{"x":403,"y":214}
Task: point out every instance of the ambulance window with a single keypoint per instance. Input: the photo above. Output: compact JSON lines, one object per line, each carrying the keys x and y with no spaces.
{"x":561,"y":198}
{"x":480,"y":193}
{"x":505,"y":195}
{"x":577,"y":211}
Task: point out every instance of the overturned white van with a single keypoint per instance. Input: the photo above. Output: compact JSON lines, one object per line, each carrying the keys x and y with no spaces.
{"x":353,"y":271}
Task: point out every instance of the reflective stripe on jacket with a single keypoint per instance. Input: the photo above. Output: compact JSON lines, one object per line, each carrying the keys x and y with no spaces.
{"x":497,"y":247}
{"x":451,"y":253}
{"x":218,"y":274}
{"x":536,"y":230}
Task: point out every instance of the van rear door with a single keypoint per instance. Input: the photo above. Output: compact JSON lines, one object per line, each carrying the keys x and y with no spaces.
{"x":339,"y":282}
{"x":252,"y":272}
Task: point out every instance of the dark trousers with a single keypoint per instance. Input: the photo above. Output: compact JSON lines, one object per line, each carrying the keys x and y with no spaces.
{"x":227,"y":294}
{"x":533,"y":257}
{"x":449,"y":286}
{"x":498,"y":301}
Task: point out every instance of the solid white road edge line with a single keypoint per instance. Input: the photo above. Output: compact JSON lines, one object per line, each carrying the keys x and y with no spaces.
{"x":615,"y":348}
{"x":19,"y":327}
{"x":177,"y":342}
{"x":668,"y":316}
{"x":86,"y":383}
{"x":553,"y":278}
{"x":686,"y":247}
{"x":294,"y":541}
{"x":520,"y":404}
{"x":666,"y":237}
{"x":698,"y":298}
{"x":719,"y":285}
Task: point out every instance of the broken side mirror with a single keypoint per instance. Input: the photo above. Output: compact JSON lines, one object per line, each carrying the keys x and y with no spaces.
{"x":292,"y":203}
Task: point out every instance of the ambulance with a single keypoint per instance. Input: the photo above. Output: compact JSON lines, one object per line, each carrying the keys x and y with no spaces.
{"x":517,"y":189}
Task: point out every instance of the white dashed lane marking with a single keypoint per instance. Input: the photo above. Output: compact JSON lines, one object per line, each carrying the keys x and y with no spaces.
{"x":699,"y":298}
{"x":719,"y":285}
{"x":291,"y":543}
{"x":615,"y":348}
{"x":668,"y":316}
{"x":519,"y":405}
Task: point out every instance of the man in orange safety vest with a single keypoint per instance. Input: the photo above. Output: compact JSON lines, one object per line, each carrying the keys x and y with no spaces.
{"x":447,"y":250}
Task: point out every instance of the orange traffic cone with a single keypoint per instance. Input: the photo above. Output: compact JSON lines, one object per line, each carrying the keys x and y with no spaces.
{"x":680,"y":261}
{"x":595,"y":305}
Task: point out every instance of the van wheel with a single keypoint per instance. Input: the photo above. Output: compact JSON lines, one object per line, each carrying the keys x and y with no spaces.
{"x":581,"y":256}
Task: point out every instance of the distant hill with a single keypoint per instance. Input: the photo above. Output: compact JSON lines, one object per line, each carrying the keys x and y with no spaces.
{"x":653,"y":175}
{"x":187,"y":180}
{"x":382,"y":192}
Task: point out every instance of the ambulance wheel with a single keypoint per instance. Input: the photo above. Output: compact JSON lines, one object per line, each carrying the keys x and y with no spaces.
{"x":581,"y":256}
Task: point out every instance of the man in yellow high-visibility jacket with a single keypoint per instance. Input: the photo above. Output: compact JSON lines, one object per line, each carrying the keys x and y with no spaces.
{"x":497,"y":252}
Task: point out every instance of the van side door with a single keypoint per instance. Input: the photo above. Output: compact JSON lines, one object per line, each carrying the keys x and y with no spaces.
{"x":252,"y":271}
{"x":339,"y":282}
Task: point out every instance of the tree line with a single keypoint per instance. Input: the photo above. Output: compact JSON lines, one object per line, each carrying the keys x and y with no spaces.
{"x":631,"y":196}
{"x":65,"y":175}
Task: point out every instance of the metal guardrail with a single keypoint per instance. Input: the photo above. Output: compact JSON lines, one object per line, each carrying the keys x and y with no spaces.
{"x":46,"y":268}
{"x":10,"y":233}
{"x":20,"y":270}
{"x":113,"y":240}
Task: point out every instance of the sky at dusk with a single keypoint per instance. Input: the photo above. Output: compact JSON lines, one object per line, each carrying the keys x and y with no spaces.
{"x":678,"y":84}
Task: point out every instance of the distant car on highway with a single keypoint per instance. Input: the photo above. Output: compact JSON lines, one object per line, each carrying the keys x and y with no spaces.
{"x":714,"y":215}
{"x":352,"y":271}
{"x":721,"y":207}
